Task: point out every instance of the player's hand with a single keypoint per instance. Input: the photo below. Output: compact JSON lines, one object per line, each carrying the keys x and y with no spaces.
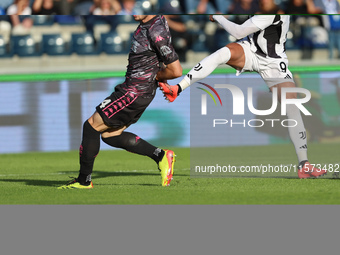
{"x":211,"y":18}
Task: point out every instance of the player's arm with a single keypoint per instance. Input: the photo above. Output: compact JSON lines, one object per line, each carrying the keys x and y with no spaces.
{"x":250,"y":26}
{"x":171,"y":71}
{"x":167,"y":55}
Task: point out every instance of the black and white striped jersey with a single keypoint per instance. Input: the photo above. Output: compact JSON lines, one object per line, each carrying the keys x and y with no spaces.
{"x":269,"y":42}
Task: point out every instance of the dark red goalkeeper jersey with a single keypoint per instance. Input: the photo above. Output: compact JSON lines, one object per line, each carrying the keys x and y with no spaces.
{"x":151,"y":45}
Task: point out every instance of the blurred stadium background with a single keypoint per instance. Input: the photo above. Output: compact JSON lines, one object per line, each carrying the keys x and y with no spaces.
{"x":54,"y":69}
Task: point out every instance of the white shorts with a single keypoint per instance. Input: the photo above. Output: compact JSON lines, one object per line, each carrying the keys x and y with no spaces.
{"x":273,"y":71}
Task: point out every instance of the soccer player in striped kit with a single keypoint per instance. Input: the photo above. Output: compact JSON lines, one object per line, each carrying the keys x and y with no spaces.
{"x":260,"y":48}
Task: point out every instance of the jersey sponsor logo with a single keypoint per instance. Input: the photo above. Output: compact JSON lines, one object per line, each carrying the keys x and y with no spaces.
{"x":105,"y":103}
{"x":198,"y":67}
{"x":165,"y":50}
{"x":159,"y":38}
{"x":288,"y":77}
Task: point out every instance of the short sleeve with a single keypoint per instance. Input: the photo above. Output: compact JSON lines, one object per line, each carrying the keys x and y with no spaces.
{"x":161,"y":40}
{"x":263,"y":21}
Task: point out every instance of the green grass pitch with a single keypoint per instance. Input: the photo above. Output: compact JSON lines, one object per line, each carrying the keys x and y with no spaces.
{"x":125,"y":178}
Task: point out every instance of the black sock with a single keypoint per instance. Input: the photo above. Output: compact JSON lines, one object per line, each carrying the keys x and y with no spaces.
{"x":302,"y":163}
{"x":84,"y":179}
{"x":179,"y":89}
{"x":135,"y":144}
{"x":88,"y":151}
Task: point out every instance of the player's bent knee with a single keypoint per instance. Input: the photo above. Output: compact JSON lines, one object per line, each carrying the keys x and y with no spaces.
{"x":111,"y":140}
{"x":96,"y":120}
{"x":124,"y":140}
{"x":237,"y":56}
{"x":235,"y":49}
{"x":113,"y":132}
{"x":91,"y":120}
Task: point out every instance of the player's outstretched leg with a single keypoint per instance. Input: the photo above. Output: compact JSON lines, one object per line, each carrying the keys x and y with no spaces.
{"x":306,"y":170}
{"x":298,"y":135}
{"x":166,"y":166}
{"x":203,"y":69}
{"x":133,"y":143}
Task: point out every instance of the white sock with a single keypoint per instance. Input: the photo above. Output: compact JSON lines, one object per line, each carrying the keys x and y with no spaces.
{"x":206,"y":67}
{"x":298,"y":133}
